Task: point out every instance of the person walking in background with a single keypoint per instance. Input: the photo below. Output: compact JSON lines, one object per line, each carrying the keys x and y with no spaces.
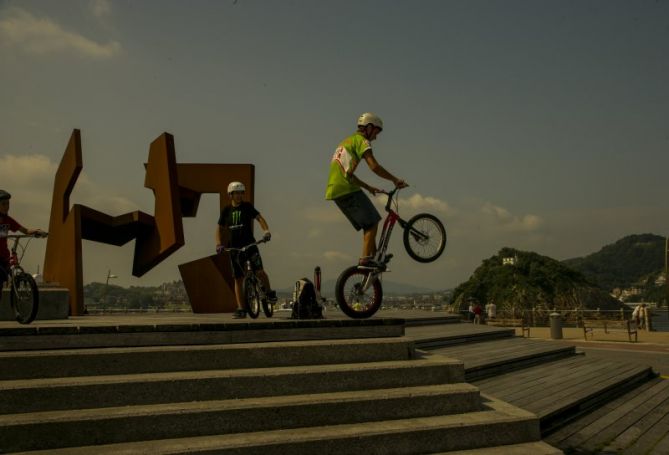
{"x":477,"y":313}
{"x":345,"y":188}
{"x":470,"y":310}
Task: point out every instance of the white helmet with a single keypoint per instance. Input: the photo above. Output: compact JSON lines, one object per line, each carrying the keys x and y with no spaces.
{"x":369,"y":118}
{"x":236,"y":186}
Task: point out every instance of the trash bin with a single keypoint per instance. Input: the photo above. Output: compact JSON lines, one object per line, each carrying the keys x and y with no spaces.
{"x":556,"y":326}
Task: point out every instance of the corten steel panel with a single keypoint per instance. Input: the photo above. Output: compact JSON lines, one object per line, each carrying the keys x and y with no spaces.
{"x":167,"y":234}
{"x":177,"y":189}
{"x":209,"y":284}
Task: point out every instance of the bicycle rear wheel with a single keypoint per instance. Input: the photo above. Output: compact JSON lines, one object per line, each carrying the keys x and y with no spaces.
{"x":353,"y":300}
{"x":24,"y":297}
{"x":252,"y":296}
{"x":424,"y":237}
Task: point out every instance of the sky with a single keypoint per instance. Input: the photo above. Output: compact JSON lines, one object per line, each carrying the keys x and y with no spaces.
{"x":537,"y":125}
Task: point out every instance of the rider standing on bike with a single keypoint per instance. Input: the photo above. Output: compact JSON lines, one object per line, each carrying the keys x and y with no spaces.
{"x":7,"y":225}
{"x":345,"y":189}
{"x":238,"y":218}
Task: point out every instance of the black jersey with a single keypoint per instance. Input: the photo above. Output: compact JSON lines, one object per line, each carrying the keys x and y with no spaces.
{"x":239,"y":222}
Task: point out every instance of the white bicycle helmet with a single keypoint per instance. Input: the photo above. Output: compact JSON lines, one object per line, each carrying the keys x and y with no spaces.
{"x":236,"y":186}
{"x":368,"y":118}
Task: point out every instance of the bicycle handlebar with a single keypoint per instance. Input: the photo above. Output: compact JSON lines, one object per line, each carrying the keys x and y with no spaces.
{"x":23,"y":236}
{"x":244,"y":248}
{"x":390,"y":195}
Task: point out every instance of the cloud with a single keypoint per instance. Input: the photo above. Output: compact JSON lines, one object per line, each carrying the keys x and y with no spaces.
{"x":505,"y":219}
{"x":100,"y":8}
{"x":329,"y":214}
{"x":30,"y":180}
{"x":337,"y":256}
{"x":418,"y":202}
{"x":35,"y":35}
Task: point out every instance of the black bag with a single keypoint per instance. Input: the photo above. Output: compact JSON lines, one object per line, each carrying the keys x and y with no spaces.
{"x":305,"y":301}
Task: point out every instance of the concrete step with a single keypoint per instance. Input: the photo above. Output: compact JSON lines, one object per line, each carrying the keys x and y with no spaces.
{"x":40,"y":337}
{"x":436,"y":336}
{"x":57,"y":429}
{"x":559,"y":391}
{"x":111,"y":361}
{"x":492,"y":358}
{"x":527,"y":448}
{"x":498,"y":424}
{"x":34,"y":395}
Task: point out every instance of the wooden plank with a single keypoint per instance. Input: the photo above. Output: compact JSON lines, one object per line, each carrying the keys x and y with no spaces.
{"x":579,"y":385}
{"x":594,"y":390}
{"x":617,"y":427}
{"x":662,"y":447}
{"x":570,"y":435}
{"x":646,"y":432}
{"x":615,"y":418}
{"x":528,"y":375}
{"x":558,"y":378}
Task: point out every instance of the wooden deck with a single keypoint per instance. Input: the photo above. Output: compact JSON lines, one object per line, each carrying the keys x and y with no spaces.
{"x":585,"y":405}
{"x":636,"y":423}
{"x":506,"y":354}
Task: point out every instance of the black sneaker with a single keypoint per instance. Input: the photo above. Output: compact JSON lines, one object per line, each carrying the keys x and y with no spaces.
{"x":271,"y":296}
{"x":239,"y":314}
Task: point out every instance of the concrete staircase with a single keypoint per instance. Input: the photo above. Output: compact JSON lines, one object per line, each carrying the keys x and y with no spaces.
{"x":373,"y":395}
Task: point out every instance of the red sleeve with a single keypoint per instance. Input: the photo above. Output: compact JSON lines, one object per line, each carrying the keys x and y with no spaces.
{"x":13,"y":224}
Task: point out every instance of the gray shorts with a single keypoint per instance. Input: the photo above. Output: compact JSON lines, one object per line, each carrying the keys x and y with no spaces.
{"x":359,"y":210}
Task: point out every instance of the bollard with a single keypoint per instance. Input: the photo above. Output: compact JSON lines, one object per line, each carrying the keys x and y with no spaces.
{"x":556,"y":326}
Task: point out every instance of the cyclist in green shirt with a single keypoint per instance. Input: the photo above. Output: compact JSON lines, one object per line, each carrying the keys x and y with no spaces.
{"x":345,"y":189}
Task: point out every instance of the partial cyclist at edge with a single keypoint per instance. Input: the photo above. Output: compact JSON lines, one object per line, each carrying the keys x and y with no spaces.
{"x":7,"y":225}
{"x":237,"y":218}
{"x":345,"y":188}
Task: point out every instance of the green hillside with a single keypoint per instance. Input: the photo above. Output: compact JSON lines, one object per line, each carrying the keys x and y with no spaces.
{"x":531,"y":281}
{"x":630,"y":261}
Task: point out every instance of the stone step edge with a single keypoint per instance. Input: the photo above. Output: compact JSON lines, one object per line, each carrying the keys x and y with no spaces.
{"x":273,"y":402}
{"x":498,"y":413}
{"x":208,"y":347}
{"x":202,"y":337}
{"x":526,"y":448}
{"x":430,"y":361}
{"x":109,"y":361}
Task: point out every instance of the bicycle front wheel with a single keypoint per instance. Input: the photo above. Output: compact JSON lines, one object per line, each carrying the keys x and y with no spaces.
{"x":352,"y":297}
{"x":252,"y":296}
{"x":424,"y":237}
{"x":267,"y":307}
{"x":24,"y":297}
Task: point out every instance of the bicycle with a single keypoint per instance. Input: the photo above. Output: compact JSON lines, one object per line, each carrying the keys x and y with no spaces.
{"x":23,"y":292}
{"x":424,"y":240}
{"x":253,"y":289}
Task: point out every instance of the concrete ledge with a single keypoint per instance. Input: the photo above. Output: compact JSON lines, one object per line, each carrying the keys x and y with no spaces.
{"x":53,"y":304}
{"x":94,"y":336}
{"x":134,"y":360}
{"x":33,"y":395}
{"x":499,"y":424}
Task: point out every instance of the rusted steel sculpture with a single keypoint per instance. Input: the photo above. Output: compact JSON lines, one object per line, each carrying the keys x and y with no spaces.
{"x":177,"y":189}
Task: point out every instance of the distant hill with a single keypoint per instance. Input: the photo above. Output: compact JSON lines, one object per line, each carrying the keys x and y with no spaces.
{"x":523,"y":280}
{"x":630,"y":261}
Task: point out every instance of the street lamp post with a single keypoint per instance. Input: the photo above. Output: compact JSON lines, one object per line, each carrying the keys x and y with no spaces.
{"x":104,"y":292}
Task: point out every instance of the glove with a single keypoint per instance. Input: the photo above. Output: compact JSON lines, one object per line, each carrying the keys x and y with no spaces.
{"x":220,"y":249}
{"x":267,"y":236}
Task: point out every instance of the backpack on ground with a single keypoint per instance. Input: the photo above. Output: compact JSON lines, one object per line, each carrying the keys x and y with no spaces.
{"x":305,"y":301}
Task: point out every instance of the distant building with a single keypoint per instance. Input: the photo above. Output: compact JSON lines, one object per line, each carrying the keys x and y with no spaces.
{"x":510,"y":260}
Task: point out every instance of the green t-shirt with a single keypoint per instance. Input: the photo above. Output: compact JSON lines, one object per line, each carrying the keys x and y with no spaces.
{"x":343,"y":164}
